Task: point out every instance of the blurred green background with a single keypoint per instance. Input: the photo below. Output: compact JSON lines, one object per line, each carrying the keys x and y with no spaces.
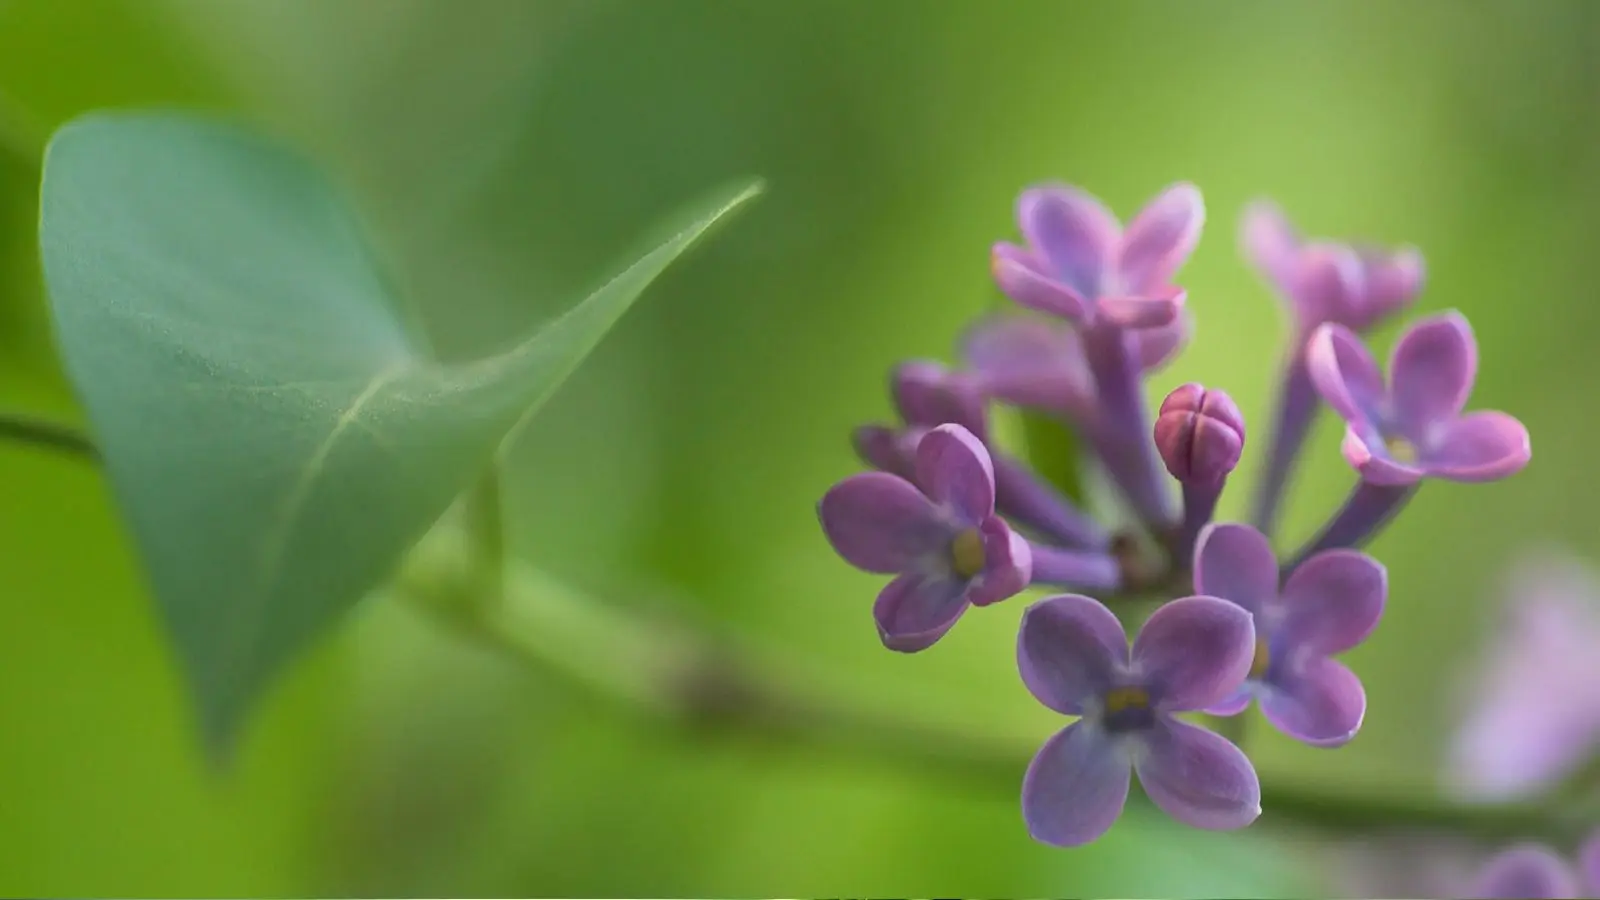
{"x":506,"y":151}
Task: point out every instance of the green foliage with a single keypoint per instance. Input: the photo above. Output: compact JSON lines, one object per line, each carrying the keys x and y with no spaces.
{"x":275,"y":435}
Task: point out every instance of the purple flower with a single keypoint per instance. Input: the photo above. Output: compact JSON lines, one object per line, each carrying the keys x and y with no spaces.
{"x":927,"y":395}
{"x":1535,"y":714}
{"x":1414,"y":428}
{"x":943,"y":541}
{"x":1039,"y":363}
{"x":1526,"y":872}
{"x":890,"y":449}
{"x":1322,"y":281}
{"x":1073,"y":655}
{"x":1080,"y":264}
{"x":1329,"y":605}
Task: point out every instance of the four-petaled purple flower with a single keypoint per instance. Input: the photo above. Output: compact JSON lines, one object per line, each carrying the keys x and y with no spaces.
{"x":1074,"y":657}
{"x":1322,"y":281}
{"x":1414,"y":427}
{"x":1329,"y":605}
{"x":1080,"y":264}
{"x":942,"y":539}
{"x":1526,"y":872}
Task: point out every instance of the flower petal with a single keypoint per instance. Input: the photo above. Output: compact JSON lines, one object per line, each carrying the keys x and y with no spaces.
{"x":1372,"y":460}
{"x":1160,"y":238}
{"x":1326,"y":286}
{"x":1019,"y":276}
{"x":1072,"y":231}
{"x":1075,"y":787}
{"x":1480,"y":446}
{"x":1509,"y":752}
{"x":915,"y":610}
{"x":1344,"y":373}
{"x":1393,"y":279}
{"x":1333,"y":601}
{"x":1589,"y":861}
{"x":1527,"y":731}
{"x":1234,"y":703}
{"x":1030,"y":361}
{"x":1157,"y":346}
{"x":1320,"y":702}
{"x":1194,"y":651}
{"x":1156,"y":309}
{"x":881,"y":523}
{"x":1527,"y":728}
{"x":928,"y":394}
{"x":954,"y":468}
{"x":1271,"y":244}
{"x":1198,"y":778}
{"x":1432,"y":369}
{"x":884,"y":448}
{"x":1523,"y":872}
{"x":1007,"y":564}
{"x":1236,"y":562}
{"x":1069,"y":649}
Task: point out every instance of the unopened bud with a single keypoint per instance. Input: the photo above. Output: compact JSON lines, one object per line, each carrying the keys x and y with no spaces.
{"x":1200,"y":434}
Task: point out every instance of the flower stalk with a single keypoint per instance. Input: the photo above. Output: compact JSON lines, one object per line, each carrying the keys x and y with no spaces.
{"x":681,"y":678}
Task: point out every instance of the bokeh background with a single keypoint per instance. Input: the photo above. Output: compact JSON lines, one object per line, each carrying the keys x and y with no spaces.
{"x":507,"y":151}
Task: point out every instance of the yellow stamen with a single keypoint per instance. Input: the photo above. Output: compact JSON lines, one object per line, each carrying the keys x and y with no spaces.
{"x":1401,"y":450}
{"x":1258,"y":665}
{"x":1122,"y":698}
{"x":966,"y":553}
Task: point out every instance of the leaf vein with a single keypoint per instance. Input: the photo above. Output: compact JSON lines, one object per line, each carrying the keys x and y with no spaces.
{"x":276,"y":543}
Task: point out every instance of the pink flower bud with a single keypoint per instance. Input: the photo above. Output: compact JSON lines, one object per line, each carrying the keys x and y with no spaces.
{"x":1200,"y":434}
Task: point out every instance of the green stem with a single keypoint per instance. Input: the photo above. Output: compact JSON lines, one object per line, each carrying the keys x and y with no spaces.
{"x":47,"y":435}
{"x":688,"y":680}
{"x":685,"y":679}
{"x":486,"y":522}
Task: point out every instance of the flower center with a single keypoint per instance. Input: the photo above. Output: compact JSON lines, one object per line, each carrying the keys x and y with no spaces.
{"x":1127,"y":709}
{"x":1258,"y":665}
{"x":1401,"y":450}
{"x":966,"y":553}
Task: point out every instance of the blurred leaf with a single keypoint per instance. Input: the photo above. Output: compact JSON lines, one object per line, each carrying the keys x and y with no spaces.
{"x":275,"y":434}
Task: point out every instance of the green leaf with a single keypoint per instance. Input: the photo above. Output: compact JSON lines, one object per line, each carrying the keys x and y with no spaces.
{"x":275,"y":436}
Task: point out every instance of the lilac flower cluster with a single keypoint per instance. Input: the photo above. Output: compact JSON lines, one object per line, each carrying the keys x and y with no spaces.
{"x":959,"y":523}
